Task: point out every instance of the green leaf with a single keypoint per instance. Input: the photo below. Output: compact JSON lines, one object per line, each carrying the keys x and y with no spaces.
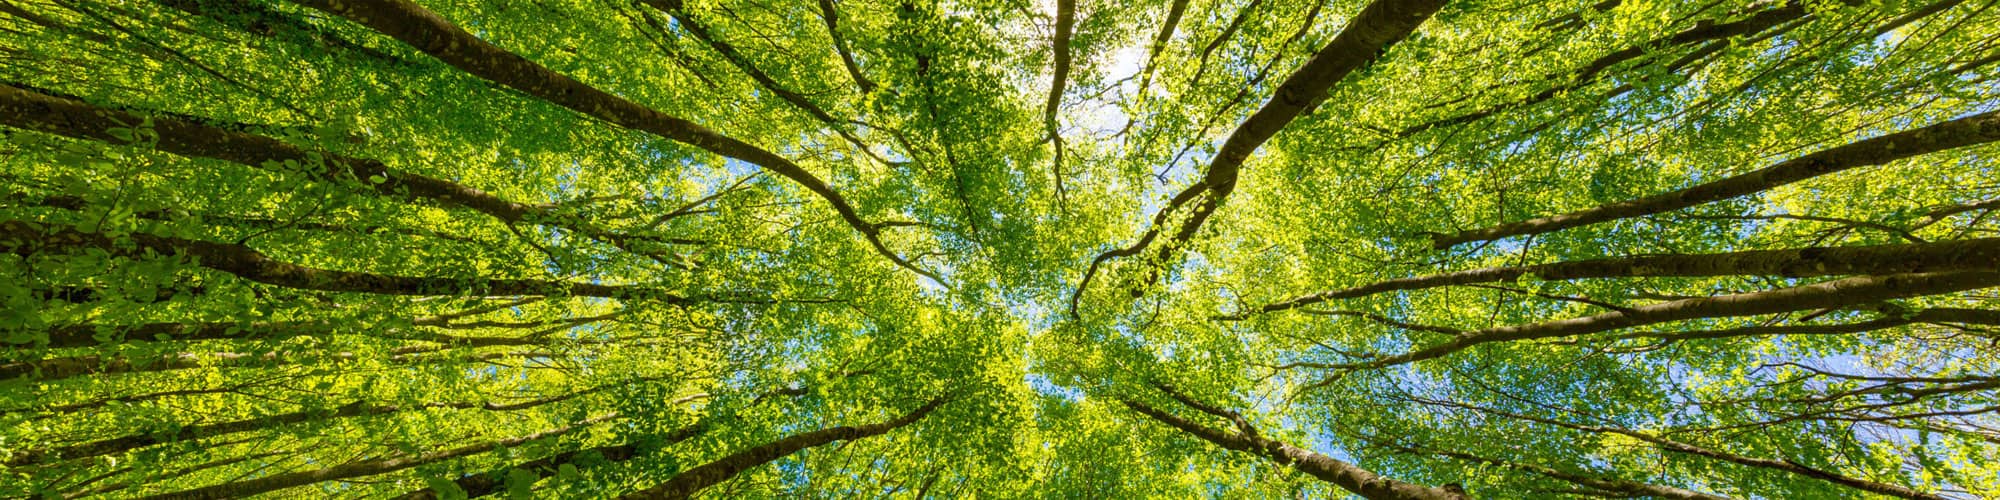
{"x":446,"y":489}
{"x":521,"y":484}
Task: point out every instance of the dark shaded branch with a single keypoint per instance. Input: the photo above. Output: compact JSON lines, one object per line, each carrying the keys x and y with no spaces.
{"x":1387,"y":321}
{"x":1945,"y":212}
{"x":832,"y":17}
{"x":162,"y":48}
{"x":28,"y":109}
{"x":52,"y":369}
{"x":491,"y":482}
{"x":1957,"y":255}
{"x":26,"y":238}
{"x":360,"y":468}
{"x":1347,"y":476}
{"x":86,"y":335}
{"x":1573,"y":20}
{"x":133,"y":398}
{"x":1166,"y":34}
{"x":678,"y":11}
{"x":1832,"y":294}
{"x":1843,"y":223}
{"x":688,"y":482}
{"x":262,"y":20}
{"x":1605,"y":484}
{"x":203,"y":431}
{"x":1976,"y":129}
{"x":40,"y":111}
{"x":1943,"y":315}
{"x":1229,"y":31}
{"x":1703,"y":31}
{"x":184,"y":471}
{"x":1787,"y":466}
{"x":1061,"y":53}
{"x":261,"y":223}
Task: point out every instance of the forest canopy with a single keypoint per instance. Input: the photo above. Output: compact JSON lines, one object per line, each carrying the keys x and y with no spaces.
{"x":1390,"y":249}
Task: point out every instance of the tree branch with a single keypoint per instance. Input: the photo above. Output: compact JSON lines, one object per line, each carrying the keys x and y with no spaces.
{"x":1976,"y":129}
{"x":688,"y":482}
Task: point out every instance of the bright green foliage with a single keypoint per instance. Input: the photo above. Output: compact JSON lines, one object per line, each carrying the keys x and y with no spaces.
{"x":591,"y":307}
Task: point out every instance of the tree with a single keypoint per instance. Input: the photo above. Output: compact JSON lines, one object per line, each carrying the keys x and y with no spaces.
{"x":1388,"y":249}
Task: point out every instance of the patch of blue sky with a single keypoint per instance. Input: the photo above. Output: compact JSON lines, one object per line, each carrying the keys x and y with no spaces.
{"x":793,"y":473}
{"x":739,"y":167}
{"x":1042,"y":385}
{"x":1104,"y":112}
